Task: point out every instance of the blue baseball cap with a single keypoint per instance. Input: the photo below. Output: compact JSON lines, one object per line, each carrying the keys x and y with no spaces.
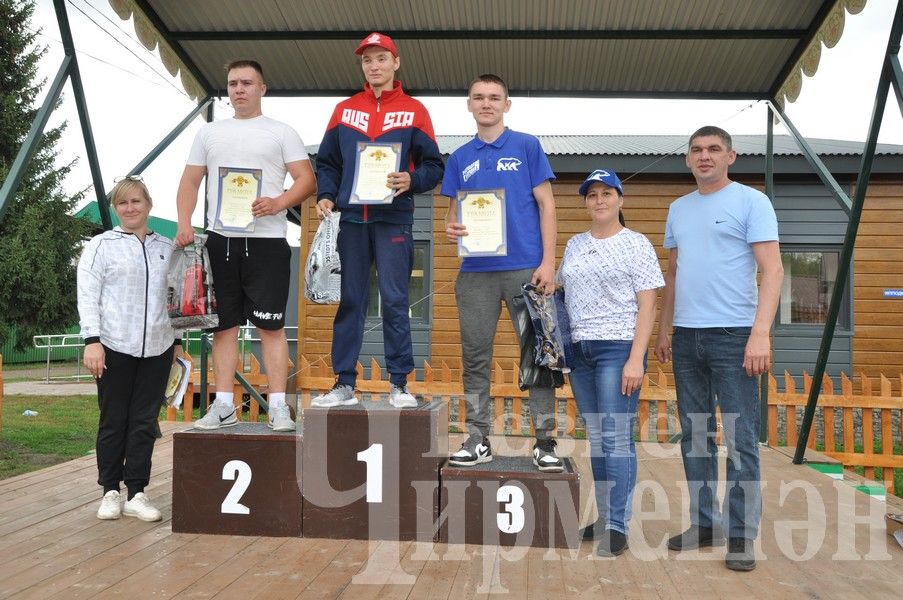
{"x":609,"y":178}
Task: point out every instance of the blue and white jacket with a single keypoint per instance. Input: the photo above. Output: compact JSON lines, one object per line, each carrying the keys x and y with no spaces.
{"x":394,"y":117}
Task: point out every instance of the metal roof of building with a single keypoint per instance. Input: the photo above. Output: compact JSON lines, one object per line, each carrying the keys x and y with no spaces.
{"x":617,"y":48}
{"x":665,"y":145}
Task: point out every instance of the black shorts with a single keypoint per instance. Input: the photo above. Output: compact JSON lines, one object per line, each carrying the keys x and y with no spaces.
{"x":250,"y":280}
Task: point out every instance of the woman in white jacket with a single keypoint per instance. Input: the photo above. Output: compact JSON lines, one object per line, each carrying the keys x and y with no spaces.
{"x":129,"y":346}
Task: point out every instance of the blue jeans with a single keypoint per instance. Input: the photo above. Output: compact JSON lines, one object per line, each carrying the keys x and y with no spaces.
{"x":708,"y":369}
{"x":610,"y":417}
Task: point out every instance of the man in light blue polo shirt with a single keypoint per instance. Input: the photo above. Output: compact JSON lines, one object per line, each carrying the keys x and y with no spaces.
{"x":498,"y":158}
{"x":718,"y":236}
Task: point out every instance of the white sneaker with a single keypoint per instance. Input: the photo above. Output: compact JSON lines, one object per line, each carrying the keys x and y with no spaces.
{"x":110,"y":507}
{"x":399,"y":397}
{"x":339,"y":395}
{"x":139,"y":506}
{"x":218,"y":415}
{"x":281,"y":419}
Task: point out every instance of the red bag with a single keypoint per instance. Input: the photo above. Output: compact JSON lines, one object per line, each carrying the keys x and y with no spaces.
{"x":193,"y":292}
{"x":191,"y":301}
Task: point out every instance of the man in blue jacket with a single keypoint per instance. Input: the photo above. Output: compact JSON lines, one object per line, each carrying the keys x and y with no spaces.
{"x":499,"y":158}
{"x":381,"y":113}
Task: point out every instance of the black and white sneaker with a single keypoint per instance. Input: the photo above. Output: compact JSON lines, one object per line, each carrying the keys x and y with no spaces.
{"x":473,"y":452}
{"x":544,"y":457}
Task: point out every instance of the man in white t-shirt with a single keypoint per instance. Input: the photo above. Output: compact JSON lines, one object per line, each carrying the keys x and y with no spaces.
{"x":249,"y":256}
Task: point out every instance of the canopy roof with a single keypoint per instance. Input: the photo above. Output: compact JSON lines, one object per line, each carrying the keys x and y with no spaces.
{"x":751,"y":49}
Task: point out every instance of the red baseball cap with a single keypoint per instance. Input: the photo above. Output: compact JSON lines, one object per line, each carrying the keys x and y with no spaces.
{"x":377,"y":39}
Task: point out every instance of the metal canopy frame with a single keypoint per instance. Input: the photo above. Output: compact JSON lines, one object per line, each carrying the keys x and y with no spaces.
{"x":891,"y":76}
{"x":69,"y":71}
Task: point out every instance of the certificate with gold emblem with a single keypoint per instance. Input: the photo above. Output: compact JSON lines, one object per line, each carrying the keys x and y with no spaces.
{"x":371,"y":171}
{"x":238,"y":189}
{"x":482,"y":212}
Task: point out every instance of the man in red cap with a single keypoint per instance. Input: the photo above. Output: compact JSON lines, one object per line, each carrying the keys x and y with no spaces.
{"x":382,"y":122}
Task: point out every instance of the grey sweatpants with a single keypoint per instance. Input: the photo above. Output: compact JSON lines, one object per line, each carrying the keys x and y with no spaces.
{"x":479,"y":297}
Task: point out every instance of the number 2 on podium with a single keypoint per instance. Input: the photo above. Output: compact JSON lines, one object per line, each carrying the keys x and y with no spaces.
{"x":240,"y":472}
{"x":373,"y":458}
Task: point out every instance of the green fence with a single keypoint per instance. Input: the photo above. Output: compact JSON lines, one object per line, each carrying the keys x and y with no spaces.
{"x":36,"y":355}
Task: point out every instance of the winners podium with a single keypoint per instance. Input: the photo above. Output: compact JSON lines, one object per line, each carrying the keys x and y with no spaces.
{"x":371,"y":471}
{"x":368,"y":471}
{"x":240,"y":480}
{"x":508,"y":502}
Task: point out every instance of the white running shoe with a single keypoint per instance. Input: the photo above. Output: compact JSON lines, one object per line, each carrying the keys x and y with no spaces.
{"x":139,"y":506}
{"x":400,"y":397}
{"x":339,"y":395}
{"x":281,"y":419}
{"x":110,"y":506}
{"x":218,"y":415}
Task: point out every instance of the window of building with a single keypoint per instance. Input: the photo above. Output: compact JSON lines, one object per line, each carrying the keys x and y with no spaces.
{"x":418,"y":293}
{"x":809,"y":276}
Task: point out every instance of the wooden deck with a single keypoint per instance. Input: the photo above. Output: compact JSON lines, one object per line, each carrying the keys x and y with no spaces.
{"x":52,"y":546}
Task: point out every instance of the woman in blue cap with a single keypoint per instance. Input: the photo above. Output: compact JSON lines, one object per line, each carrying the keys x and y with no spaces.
{"x":610,"y":276}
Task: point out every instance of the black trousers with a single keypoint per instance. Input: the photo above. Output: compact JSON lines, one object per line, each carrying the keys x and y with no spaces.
{"x":129,"y":394}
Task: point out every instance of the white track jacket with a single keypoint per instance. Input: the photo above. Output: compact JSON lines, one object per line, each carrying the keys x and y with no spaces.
{"x":122,"y":293}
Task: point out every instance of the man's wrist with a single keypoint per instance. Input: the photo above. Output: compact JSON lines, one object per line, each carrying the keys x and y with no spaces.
{"x":760,"y":331}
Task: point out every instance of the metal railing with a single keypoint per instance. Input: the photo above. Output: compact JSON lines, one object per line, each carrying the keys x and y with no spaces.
{"x":69,"y":341}
{"x":60,"y":341}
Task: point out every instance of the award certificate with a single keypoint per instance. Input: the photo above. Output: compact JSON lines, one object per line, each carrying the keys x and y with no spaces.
{"x":482,"y":212}
{"x":372,"y":166}
{"x":238,"y":189}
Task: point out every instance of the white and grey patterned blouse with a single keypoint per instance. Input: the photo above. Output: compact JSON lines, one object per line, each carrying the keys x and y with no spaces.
{"x":122,"y":292}
{"x":601,"y":279}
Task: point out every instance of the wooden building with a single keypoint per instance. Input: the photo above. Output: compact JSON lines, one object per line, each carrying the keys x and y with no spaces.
{"x":812,"y":227}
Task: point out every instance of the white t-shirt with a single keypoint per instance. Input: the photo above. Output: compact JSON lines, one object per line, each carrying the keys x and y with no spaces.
{"x":601,"y":279}
{"x":259,"y":143}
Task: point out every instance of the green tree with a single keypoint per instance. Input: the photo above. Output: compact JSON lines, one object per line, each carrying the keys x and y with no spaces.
{"x":39,"y":239}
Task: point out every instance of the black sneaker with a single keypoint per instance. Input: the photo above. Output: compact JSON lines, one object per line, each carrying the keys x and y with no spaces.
{"x":544,"y":457}
{"x":697,"y":537}
{"x":593,"y":531}
{"x":612,"y":543}
{"x":473,"y":452}
{"x":740,"y":555}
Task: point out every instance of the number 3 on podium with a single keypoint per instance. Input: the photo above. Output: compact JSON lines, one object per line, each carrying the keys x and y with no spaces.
{"x":512,"y":519}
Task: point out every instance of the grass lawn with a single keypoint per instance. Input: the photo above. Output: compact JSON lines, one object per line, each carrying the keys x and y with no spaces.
{"x":65,"y":428}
